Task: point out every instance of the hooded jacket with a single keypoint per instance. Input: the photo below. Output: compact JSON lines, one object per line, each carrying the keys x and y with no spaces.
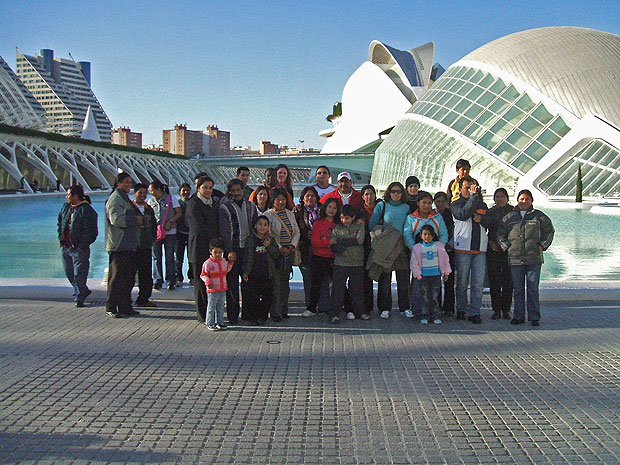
{"x":469,"y":236}
{"x":524,"y":237}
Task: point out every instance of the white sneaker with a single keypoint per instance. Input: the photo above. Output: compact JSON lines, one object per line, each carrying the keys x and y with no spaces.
{"x":437,"y":321}
{"x":424,"y":321}
{"x":350,"y":316}
{"x":385,"y":314}
{"x":408,"y":313}
{"x":365,"y":316}
{"x":307,"y":313}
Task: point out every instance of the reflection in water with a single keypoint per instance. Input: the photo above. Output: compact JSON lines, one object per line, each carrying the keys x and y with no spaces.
{"x":585,"y":246}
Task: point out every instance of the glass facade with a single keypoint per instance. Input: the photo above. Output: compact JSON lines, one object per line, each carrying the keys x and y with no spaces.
{"x":493,"y":114}
{"x":600,"y":173}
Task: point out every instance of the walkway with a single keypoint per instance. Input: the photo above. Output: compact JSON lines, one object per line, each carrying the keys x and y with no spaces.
{"x":79,"y":387}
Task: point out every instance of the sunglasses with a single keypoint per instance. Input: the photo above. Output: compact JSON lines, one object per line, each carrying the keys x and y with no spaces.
{"x":396,"y":191}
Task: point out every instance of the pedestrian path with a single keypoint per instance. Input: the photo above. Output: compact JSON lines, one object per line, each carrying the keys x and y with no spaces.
{"x":78,"y":387}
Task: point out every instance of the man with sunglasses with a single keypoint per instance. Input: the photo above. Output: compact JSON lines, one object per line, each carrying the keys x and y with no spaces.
{"x":322,"y":185}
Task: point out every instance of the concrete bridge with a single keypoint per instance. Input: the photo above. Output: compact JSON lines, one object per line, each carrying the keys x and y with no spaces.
{"x":27,"y":161}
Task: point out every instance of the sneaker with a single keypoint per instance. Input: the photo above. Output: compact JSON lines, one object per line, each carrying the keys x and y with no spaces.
{"x":79,"y":304}
{"x":222,"y":327}
{"x":350,"y":316}
{"x":436,"y":321}
{"x":171,"y":287}
{"x":211,"y":328}
{"x":385,"y":314}
{"x":407,"y":313}
{"x":115,"y":314}
{"x":307,"y":314}
{"x":475,"y":319}
{"x":424,"y":321}
{"x":335,"y":320}
{"x":365,"y":316}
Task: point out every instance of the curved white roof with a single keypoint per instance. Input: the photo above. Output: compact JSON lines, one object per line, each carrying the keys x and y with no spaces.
{"x":578,"y":68}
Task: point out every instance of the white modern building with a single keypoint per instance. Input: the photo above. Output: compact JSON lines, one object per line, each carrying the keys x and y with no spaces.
{"x":18,"y":107}
{"x":377,"y":95}
{"x":527,"y":110}
{"x":62,"y":87}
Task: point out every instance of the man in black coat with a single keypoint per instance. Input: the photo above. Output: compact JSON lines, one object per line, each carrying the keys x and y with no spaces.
{"x":201,"y":217}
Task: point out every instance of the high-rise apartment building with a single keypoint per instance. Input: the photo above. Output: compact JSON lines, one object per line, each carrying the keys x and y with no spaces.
{"x":183,"y":141}
{"x":18,"y":107}
{"x":219,"y":141}
{"x":62,"y":87}
{"x":125,"y":136}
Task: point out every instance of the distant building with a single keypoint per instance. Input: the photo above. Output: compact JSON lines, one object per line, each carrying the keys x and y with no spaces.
{"x":266,"y":147}
{"x":219,"y":141}
{"x":183,"y":141}
{"x":124,"y":136}
{"x":18,"y":107}
{"x":62,"y":87}
{"x":243,"y":150}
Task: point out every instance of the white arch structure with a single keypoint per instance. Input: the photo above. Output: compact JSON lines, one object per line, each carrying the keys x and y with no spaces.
{"x":92,"y":167}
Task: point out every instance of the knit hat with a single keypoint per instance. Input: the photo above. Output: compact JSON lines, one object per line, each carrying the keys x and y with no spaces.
{"x":412,"y":180}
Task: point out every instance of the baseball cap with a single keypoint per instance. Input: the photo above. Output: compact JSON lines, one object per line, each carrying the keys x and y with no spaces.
{"x":344,"y":174}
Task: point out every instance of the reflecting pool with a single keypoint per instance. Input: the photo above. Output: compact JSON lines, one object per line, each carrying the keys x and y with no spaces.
{"x":586,"y":245}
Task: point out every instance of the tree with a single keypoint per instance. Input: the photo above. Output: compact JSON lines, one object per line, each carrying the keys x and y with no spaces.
{"x":579,"y":193}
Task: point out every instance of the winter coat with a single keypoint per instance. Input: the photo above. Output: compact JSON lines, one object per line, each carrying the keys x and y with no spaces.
{"x":82,"y":221}
{"x":121,"y":223}
{"x":350,"y":239}
{"x":524,"y":237}
{"x":414,"y":224}
{"x":147,"y":231}
{"x":469,"y":236}
{"x":387,"y":251}
{"x":203,"y":224}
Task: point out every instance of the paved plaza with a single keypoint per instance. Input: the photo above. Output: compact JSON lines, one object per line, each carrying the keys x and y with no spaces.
{"x":79,"y":387}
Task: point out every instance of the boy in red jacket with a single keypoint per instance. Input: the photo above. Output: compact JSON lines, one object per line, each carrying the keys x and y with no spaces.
{"x":213,"y":273}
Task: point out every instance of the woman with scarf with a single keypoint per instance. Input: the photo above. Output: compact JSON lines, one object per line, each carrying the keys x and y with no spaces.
{"x":306,"y":213}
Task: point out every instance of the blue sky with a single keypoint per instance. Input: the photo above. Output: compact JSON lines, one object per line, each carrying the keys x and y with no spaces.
{"x":261,"y":70}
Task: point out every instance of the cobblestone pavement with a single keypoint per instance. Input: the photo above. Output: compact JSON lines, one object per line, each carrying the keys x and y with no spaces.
{"x":78,"y":387}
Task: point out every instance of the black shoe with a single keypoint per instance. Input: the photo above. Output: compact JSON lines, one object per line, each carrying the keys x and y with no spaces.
{"x":475,"y":319}
{"x":233,"y":322}
{"x":285,"y":315}
{"x":115,"y":314}
{"x":535,"y":323}
{"x":260,"y":322}
{"x":276,"y":318}
{"x":146,"y":303}
{"x":157,"y":286}
{"x":79,"y":304}
{"x":460,"y":315}
{"x":171,"y":287}
{"x":516,"y":321}
{"x":131,"y":312}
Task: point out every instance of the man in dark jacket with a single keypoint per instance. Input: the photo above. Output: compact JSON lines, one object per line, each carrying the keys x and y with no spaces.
{"x":77,"y":229}
{"x":236,"y":218}
{"x":202,"y":220}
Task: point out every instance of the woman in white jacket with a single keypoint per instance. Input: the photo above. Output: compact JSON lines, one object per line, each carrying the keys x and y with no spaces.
{"x":285,"y":231}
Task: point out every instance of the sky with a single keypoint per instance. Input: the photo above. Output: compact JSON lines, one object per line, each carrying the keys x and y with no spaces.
{"x":267,"y":70}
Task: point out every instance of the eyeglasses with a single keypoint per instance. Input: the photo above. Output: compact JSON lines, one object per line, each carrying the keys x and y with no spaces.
{"x":322,"y":172}
{"x":396,"y":191}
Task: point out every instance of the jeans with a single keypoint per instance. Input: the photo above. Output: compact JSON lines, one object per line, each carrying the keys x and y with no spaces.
{"x":430,"y":287}
{"x":179,"y":254}
{"x":522,"y":274}
{"x":500,"y":281}
{"x":215,"y":308}
{"x":446,"y":301}
{"x":76,"y":263}
{"x":168,"y":244}
{"x":384,"y":293}
{"x":355,"y":275}
{"x":121,"y":278}
{"x":475,"y":264}
{"x":145,"y":275}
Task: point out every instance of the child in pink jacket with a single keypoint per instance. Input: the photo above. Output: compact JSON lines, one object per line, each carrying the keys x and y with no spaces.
{"x":429,"y":264}
{"x":214,"y":271}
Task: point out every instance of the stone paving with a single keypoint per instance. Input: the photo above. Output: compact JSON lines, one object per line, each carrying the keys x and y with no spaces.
{"x":79,"y":387}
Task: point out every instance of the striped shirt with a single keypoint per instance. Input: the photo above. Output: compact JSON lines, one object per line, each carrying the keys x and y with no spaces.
{"x":286,"y":230}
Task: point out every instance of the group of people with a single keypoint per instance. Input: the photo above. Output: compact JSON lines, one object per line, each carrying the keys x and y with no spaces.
{"x":242,"y":245}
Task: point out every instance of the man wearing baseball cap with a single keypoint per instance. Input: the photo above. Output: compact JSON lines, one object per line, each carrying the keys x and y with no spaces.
{"x":345,"y":194}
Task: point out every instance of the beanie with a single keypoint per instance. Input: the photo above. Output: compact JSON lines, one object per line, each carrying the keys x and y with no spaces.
{"x":412,"y":180}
